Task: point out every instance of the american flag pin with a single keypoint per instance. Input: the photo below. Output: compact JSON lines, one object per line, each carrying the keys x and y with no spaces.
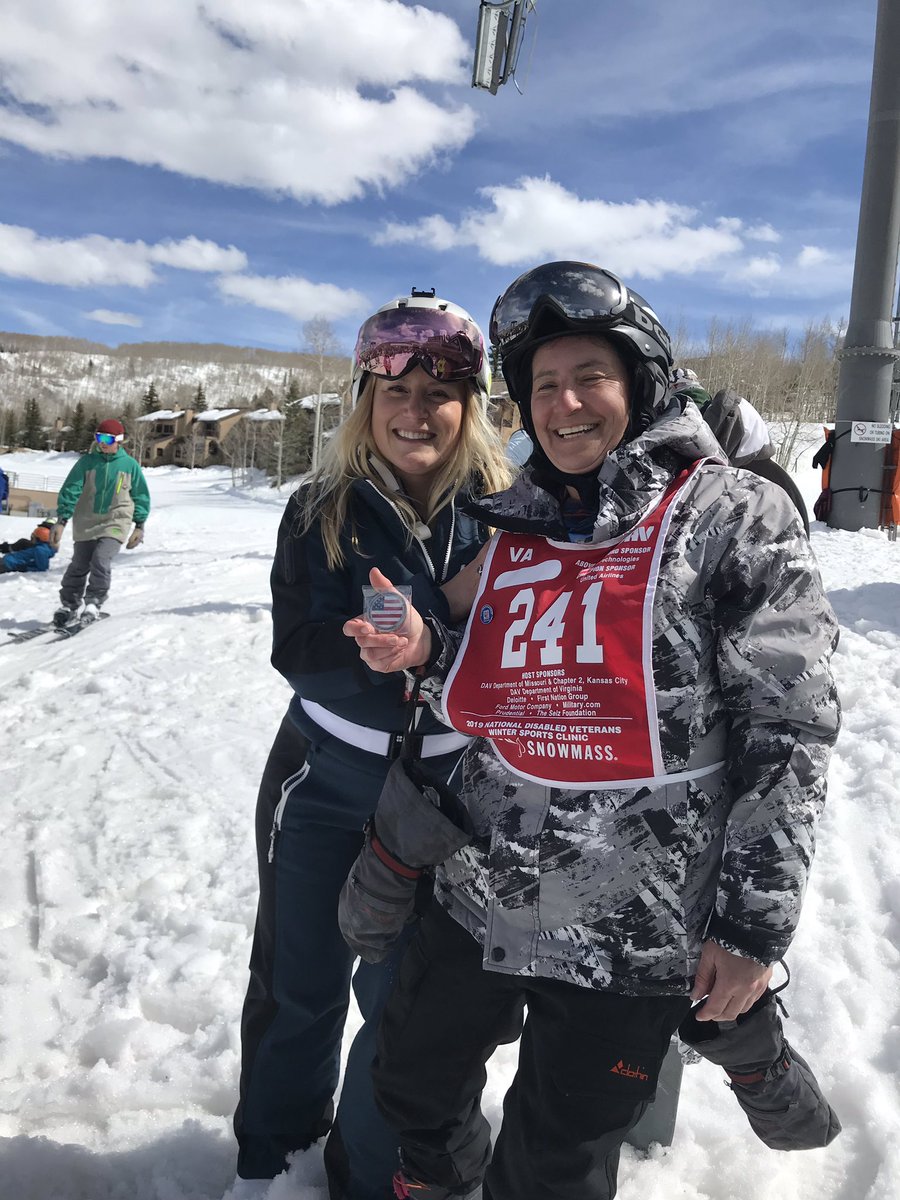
{"x":386,"y":611}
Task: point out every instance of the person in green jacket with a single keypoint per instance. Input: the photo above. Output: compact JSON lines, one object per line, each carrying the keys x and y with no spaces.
{"x":106,"y":492}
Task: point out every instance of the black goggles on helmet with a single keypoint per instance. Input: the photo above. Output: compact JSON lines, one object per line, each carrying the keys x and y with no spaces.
{"x":576,"y":291}
{"x":446,"y":346}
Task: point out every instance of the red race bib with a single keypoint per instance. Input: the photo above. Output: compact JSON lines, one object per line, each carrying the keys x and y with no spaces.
{"x":555,"y":666}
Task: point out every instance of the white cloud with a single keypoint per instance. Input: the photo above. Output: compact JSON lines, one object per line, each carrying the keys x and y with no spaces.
{"x":192,"y":254}
{"x":73,"y":262}
{"x":298,"y":298}
{"x":812,"y":256}
{"x":314,"y":100}
{"x":758,"y":268}
{"x":762,"y":233}
{"x":107,"y":317}
{"x":810,"y":272}
{"x":96,"y":260}
{"x":539,"y":219}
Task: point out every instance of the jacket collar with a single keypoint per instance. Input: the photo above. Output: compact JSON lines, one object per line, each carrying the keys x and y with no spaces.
{"x":631,"y":479}
{"x":391,"y":486}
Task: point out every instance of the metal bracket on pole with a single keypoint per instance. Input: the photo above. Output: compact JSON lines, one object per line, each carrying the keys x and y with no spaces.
{"x":863,"y":351}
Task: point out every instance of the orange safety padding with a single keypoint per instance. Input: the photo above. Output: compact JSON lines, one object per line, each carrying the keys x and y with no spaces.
{"x":826,"y":470}
{"x":890,"y":482}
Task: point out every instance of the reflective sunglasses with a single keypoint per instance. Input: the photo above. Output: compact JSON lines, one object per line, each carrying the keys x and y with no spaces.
{"x":578,"y":291}
{"x":107,"y":439}
{"x":447,"y":347}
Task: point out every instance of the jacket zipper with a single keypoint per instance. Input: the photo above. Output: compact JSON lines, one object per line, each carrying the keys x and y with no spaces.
{"x":428,"y":559}
{"x":109,"y":490}
{"x":434,"y":575}
{"x":286,"y":788}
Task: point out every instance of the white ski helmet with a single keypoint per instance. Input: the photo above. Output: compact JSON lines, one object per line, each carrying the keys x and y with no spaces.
{"x":420,"y":330}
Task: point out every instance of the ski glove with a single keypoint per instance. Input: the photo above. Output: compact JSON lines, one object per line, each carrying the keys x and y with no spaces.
{"x":418,"y":823}
{"x":771,"y":1082}
{"x":56,"y":534}
{"x":137,"y":536}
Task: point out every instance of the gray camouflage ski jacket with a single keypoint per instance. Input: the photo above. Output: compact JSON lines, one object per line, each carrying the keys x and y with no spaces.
{"x":617,"y":889}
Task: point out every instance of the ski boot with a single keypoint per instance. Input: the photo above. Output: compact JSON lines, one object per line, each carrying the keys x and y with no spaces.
{"x":773,"y":1085}
{"x":66,"y":614}
{"x":90,"y":612}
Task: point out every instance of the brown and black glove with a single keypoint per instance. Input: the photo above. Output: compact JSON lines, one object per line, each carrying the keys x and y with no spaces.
{"x":137,"y":536}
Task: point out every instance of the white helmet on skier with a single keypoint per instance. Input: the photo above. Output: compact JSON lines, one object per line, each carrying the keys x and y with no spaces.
{"x":421,"y":330}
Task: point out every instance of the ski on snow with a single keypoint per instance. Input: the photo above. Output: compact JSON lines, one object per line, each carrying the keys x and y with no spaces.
{"x":69,"y":631}
{"x":62,"y":631}
{"x":25,"y":635}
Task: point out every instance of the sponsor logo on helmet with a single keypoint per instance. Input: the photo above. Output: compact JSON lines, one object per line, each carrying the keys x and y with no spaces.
{"x":646,"y":319}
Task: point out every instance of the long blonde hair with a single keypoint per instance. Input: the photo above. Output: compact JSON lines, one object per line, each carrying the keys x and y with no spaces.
{"x":477,"y":463}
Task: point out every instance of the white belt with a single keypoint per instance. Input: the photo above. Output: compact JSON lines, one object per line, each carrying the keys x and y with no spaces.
{"x":376,"y":741}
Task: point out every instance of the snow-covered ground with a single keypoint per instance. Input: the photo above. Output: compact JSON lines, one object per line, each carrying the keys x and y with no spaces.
{"x":129,"y":760}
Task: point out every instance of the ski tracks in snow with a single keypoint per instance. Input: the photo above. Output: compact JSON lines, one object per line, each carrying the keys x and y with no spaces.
{"x":132,"y":755}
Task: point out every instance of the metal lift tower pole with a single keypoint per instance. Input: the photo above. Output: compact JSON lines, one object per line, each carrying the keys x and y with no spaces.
{"x":867,"y":363}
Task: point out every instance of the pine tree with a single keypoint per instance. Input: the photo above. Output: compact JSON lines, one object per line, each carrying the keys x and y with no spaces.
{"x":150,"y":399}
{"x":92,"y":422}
{"x":296,"y":431}
{"x":79,"y":429}
{"x":200,"y":404}
{"x":495,"y":362}
{"x":32,"y":432}
{"x":297,"y":435}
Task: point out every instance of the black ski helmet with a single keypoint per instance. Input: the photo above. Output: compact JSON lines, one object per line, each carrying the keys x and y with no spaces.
{"x":561,"y":298}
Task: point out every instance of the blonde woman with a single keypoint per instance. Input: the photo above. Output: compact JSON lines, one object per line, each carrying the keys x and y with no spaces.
{"x":415,"y":449}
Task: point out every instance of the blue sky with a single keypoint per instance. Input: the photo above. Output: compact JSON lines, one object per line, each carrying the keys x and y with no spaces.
{"x":225,"y":171}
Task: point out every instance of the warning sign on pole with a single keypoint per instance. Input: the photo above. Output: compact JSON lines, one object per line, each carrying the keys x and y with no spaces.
{"x":878,"y":432}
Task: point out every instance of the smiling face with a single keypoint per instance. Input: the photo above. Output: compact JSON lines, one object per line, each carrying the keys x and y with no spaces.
{"x":416,"y":424}
{"x":580,"y":401}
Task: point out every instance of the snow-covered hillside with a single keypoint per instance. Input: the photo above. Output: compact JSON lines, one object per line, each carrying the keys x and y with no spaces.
{"x":106,"y":383}
{"x":129,"y":761}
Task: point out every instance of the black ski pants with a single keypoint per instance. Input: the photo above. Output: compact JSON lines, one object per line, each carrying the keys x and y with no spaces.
{"x":588,"y":1066}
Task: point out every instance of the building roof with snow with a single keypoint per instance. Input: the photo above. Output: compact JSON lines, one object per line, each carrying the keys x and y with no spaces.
{"x":265,"y":414}
{"x":327,"y":400}
{"x":216,"y":414}
{"x":163,"y":414}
